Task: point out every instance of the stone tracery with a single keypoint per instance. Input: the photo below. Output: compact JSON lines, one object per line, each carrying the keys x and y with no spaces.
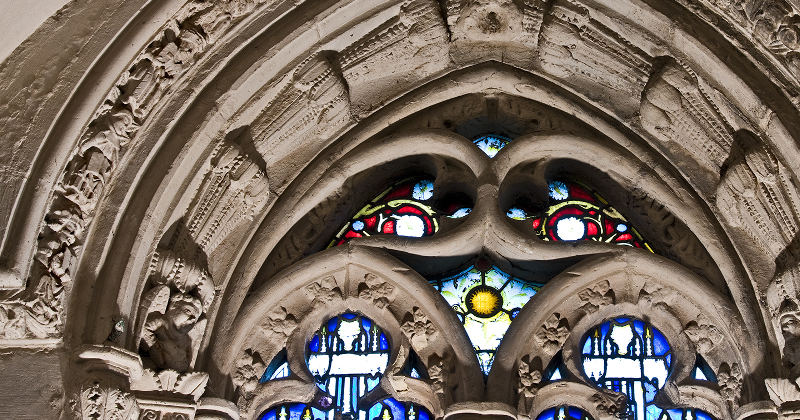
{"x":646,"y":112}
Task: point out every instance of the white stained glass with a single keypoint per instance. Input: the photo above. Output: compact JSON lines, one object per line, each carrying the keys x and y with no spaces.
{"x":631,"y":357}
{"x":281,"y":372}
{"x":485,"y":327}
{"x":408,"y":225}
{"x":570,"y":229}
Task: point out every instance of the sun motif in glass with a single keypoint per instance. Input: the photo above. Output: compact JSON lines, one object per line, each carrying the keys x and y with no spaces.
{"x":486,"y":300}
{"x":577,"y":213}
{"x":348,"y":356}
{"x":491,"y":144}
{"x":403,"y":209}
{"x":564,"y":412}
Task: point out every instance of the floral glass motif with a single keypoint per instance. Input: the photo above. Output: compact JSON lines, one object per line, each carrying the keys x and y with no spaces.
{"x":388,"y":409}
{"x":630,"y":356}
{"x":577,"y":213}
{"x":486,"y":300}
{"x":403,"y":209}
{"x":348,"y":356}
{"x":564,"y":413}
{"x":491,"y":144}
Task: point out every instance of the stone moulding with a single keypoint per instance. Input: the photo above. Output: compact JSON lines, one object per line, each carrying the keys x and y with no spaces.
{"x":36,"y":313}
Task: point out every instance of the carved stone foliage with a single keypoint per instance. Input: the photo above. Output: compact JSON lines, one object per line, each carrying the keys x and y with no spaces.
{"x":380,"y":292}
{"x":611,"y":403}
{"x":190,"y":384}
{"x":783,"y":301}
{"x":172,"y":311}
{"x":439,"y":370}
{"x":249,"y":369}
{"x":730,"y":380}
{"x":577,"y":48}
{"x":418,"y":328}
{"x":704,"y":334}
{"x":775,"y":24}
{"x":596,"y":296}
{"x":36,"y":313}
{"x":98,"y":402}
{"x":757,"y":196}
{"x":678,"y":111}
{"x":552,"y":333}
{"x":529,"y":379}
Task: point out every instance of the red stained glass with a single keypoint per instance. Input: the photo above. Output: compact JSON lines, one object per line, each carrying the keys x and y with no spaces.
{"x":578,"y":213}
{"x":403,"y":209}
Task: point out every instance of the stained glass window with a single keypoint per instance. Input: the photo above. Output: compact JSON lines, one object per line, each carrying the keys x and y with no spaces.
{"x":491,"y":144}
{"x":702,"y":371}
{"x":403,"y":209}
{"x":388,"y":409}
{"x":555,"y":370}
{"x":278,"y":368}
{"x":577,"y":213}
{"x":348,"y":356}
{"x":630,"y":356}
{"x":486,"y":300}
{"x":564,"y":413}
{"x":684,"y":414}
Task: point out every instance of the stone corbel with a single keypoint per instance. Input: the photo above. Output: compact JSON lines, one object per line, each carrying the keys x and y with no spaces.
{"x":115,"y":385}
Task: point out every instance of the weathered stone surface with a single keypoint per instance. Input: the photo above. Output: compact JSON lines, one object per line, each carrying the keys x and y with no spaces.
{"x":200,"y":152}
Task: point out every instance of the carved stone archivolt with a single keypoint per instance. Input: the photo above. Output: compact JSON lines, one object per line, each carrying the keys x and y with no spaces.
{"x":152,"y":199}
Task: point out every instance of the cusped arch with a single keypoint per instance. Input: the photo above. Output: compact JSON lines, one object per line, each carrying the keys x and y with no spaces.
{"x":695,"y":318}
{"x":287,"y":311}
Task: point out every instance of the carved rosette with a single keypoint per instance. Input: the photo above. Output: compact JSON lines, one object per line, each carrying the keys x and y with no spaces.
{"x":552,"y":333}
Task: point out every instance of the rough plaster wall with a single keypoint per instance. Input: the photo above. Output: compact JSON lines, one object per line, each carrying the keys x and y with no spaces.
{"x":19,"y":18}
{"x":30,"y":385}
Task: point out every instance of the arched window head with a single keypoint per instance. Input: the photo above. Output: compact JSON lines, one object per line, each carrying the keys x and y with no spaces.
{"x":576,"y":213}
{"x":347,"y":356}
{"x":491,"y":144}
{"x":486,"y":301}
{"x":632,"y":357}
{"x":564,"y":412}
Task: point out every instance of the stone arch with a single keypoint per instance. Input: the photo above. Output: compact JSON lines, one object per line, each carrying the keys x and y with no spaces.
{"x":160,"y":105}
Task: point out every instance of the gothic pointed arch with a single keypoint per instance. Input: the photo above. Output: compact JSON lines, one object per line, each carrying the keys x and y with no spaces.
{"x":174,"y":175}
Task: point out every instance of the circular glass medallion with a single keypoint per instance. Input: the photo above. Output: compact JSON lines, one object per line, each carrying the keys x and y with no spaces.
{"x":484,"y":301}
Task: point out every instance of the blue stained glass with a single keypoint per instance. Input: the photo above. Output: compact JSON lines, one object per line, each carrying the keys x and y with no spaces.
{"x":278,"y":368}
{"x":516,"y":213}
{"x":564,"y":413}
{"x":388,"y":409}
{"x":462,"y":212}
{"x":629,"y":356}
{"x":702,"y":371}
{"x":491,"y":144}
{"x":293,"y":411}
{"x":485,"y":300}
{"x":391,"y":409}
{"x":423,"y":190}
{"x":347,"y":357}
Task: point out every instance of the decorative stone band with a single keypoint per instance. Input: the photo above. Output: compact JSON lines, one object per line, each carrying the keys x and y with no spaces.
{"x":119,"y":387}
